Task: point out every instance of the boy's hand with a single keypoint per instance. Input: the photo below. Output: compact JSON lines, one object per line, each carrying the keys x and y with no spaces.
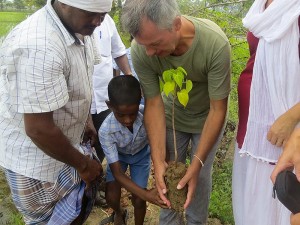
{"x":154,"y":198}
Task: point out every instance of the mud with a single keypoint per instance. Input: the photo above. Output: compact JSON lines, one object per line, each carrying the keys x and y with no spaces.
{"x":174,"y":173}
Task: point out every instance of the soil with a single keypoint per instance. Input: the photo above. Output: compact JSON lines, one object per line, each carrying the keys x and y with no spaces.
{"x":174,"y":173}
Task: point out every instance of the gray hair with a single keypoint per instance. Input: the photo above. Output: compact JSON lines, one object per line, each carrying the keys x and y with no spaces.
{"x":160,"y":12}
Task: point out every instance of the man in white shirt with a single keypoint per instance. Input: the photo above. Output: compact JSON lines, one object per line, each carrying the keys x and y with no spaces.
{"x":46,"y":67}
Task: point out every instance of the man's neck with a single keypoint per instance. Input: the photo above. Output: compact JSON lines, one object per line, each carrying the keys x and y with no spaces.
{"x":187,"y":34}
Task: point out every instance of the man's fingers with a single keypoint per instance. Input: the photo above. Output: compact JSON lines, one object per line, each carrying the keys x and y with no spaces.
{"x":162,"y":190}
{"x":187,"y":202}
{"x":182,"y":183}
{"x":163,"y":198}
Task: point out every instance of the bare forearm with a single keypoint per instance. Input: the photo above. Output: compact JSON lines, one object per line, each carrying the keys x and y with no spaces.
{"x":156,"y":129}
{"x":123,"y":64}
{"x":130,"y":186}
{"x":50,"y":139}
{"x":211,"y":130}
{"x":294,"y":113}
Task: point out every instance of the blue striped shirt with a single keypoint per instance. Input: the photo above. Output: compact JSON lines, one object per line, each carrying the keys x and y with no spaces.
{"x":115,"y":138}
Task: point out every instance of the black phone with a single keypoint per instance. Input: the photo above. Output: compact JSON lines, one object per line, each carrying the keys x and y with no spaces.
{"x":287,"y":189}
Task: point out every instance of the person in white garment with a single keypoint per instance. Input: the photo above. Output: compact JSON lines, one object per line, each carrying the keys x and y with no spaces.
{"x":269,"y":109}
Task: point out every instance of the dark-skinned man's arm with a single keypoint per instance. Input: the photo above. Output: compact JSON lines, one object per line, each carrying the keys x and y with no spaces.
{"x":42,"y":130}
{"x":123,"y":64}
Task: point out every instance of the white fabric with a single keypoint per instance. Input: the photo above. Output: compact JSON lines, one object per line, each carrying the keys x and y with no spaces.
{"x":276,"y":73}
{"x":50,"y":73}
{"x":98,"y":6}
{"x":252,"y":191}
{"x":110,"y":46}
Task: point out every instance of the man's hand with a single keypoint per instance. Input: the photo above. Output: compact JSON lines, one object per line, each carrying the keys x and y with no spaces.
{"x":190,"y":179}
{"x":159,"y":172}
{"x":44,"y":133}
{"x":91,"y":171}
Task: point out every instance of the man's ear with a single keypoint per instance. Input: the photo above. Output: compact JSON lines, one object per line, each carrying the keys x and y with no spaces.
{"x":177,"y":23}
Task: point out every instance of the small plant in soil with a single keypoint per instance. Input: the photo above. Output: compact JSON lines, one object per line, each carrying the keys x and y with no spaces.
{"x":175,"y":86}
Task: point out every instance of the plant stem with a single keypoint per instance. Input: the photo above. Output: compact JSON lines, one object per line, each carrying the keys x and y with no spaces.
{"x":173,"y":126}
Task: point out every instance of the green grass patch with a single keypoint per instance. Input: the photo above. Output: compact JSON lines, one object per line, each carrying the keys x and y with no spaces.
{"x":10,"y":19}
{"x":11,"y":214}
{"x":220,"y":201}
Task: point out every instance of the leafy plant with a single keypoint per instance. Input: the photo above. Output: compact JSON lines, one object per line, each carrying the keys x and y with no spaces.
{"x":174,"y":83}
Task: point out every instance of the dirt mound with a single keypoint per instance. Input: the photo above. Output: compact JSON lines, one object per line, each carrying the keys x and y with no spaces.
{"x":174,"y":173}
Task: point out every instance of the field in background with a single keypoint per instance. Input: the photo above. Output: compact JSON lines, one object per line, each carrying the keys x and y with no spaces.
{"x":10,"y":19}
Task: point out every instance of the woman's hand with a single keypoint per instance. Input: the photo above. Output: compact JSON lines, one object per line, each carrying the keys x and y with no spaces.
{"x":281,"y":130}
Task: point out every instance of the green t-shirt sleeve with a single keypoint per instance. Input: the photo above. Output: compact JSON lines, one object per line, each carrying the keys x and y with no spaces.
{"x":148,"y":77}
{"x":219,"y":73}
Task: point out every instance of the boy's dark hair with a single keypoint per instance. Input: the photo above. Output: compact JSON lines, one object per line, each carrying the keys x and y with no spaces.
{"x":124,"y":90}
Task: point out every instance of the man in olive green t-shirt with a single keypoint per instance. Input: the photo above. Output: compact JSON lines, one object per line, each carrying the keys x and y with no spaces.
{"x":166,"y":40}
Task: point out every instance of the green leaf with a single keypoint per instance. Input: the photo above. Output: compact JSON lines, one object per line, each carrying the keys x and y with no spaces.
{"x":161,"y":85}
{"x":183,"y":97}
{"x":188,"y":85}
{"x":178,"y":78}
{"x":167,"y":75}
{"x":169,"y":87}
{"x":181,"y":70}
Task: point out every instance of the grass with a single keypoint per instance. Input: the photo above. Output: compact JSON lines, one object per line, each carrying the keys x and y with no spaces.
{"x":220,"y":201}
{"x":9,"y":20}
{"x":221,"y":196}
{"x":12,"y":216}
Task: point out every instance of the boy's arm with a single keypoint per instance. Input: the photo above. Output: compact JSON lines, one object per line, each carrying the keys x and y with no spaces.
{"x":151,"y":196}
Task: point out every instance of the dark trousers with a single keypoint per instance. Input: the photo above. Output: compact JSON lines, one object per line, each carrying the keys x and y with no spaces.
{"x":97,"y":121}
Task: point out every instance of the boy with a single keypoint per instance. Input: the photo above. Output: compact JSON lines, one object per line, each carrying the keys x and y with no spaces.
{"x":124,"y":141}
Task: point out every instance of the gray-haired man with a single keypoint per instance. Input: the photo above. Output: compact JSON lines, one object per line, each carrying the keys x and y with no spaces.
{"x":165,"y":39}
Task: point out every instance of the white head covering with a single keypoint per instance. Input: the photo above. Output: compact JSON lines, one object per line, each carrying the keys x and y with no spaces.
{"x":98,"y":6}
